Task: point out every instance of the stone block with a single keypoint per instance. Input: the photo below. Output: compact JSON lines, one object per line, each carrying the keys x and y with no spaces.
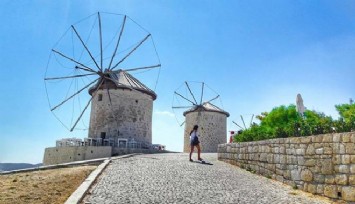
{"x":341,"y":179}
{"x":290,"y":151}
{"x":296,"y":175}
{"x":342,"y":169}
{"x":317,"y":139}
{"x":318,"y":145}
{"x":328,"y":150}
{"x":346,"y":138}
{"x":295,"y":140}
{"x":339,"y":148}
{"x":337,"y":138}
{"x":270,"y":158}
{"x":336,"y":159}
{"x":312,"y":188}
{"x":283,"y":159}
{"x":326,"y":166}
{"x":327,"y":138}
{"x":320,"y":188}
{"x":319,"y":151}
{"x":315,"y":169}
{"x":352,"y":137}
{"x":279,"y":171}
{"x":352,"y":168}
{"x":287,"y":174}
{"x":345,"y":159}
{"x":300,"y":151}
{"x":306,"y":140}
{"x":331,"y":191}
{"x":329,"y":179}
{"x":310,"y":162}
{"x":348,"y":193}
{"x":276,"y":158}
{"x":350,"y":148}
{"x":352,"y":180}
{"x":263,"y":157}
{"x":353,"y":159}
{"x":306,"y":175}
{"x":282,"y":150}
{"x":300,"y":160}
{"x":279,"y":178}
{"x":319,"y":178}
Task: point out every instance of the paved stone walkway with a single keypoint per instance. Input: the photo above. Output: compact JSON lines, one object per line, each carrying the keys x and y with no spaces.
{"x":171,"y":178}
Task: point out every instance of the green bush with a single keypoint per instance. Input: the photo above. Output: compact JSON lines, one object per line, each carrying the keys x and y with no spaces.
{"x":285,"y":121}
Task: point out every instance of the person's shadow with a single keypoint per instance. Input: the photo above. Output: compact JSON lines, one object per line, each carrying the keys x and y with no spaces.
{"x":203,"y":162}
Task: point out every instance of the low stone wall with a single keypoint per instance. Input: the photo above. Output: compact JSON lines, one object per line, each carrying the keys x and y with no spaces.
{"x":322,"y":164}
{"x":58,"y":155}
{"x":122,"y":151}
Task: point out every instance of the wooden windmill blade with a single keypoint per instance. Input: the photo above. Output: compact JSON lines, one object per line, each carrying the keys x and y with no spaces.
{"x":87,"y":56}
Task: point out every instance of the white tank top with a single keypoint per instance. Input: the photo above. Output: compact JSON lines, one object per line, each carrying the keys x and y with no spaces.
{"x":193,"y":134}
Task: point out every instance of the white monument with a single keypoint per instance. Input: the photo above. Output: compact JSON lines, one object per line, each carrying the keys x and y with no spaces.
{"x":300,"y":106}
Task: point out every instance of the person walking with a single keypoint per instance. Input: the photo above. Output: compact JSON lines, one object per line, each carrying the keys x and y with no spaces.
{"x":194,"y":141}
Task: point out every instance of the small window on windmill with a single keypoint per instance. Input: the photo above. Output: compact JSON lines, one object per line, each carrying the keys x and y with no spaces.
{"x":100,"y":97}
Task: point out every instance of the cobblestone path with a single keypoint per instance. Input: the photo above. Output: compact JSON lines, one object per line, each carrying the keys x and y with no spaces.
{"x":171,"y":178}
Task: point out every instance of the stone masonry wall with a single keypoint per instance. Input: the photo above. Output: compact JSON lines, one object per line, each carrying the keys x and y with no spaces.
{"x":212,"y":130}
{"x":129,"y":116}
{"x":59,"y":155}
{"x":322,"y":164}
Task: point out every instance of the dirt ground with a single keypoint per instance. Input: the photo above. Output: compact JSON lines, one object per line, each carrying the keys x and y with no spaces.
{"x":46,"y":186}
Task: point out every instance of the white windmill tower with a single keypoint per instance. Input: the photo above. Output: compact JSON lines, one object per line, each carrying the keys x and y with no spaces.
{"x":212,"y":120}
{"x":95,"y":62}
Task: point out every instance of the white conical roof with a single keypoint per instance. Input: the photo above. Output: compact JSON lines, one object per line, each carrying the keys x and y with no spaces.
{"x":206,"y":106}
{"x":122,"y":79}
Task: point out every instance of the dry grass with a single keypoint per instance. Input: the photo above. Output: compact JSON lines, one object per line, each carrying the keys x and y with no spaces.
{"x":47,"y":186}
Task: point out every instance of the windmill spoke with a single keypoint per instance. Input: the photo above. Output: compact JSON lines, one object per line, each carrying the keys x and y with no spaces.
{"x":118,"y":41}
{"x":176,"y":107}
{"x":139,"y":68}
{"x":190,"y":92}
{"x":184,"y":98}
{"x":76,"y":122}
{"x":213,"y":99}
{"x":86,"y":48}
{"x":89,"y":70}
{"x":238,"y":125}
{"x":68,"y":77}
{"x":134,"y":49}
{"x":87,"y":105}
{"x":98,"y":14}
{"x":243,"y":121}
{"x":251,"y":120}
{"x":203,"y":85}
{"x":73,"y":60}
{"x":74,"y":95}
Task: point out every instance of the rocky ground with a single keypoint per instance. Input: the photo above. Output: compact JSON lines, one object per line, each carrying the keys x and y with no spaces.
{"x":45,"y":186}
{"x":171,"y":178}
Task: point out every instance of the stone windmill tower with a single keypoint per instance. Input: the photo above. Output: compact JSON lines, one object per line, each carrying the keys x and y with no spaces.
{"x":212,"y":122}
{"x":101,"y":55}
{"x":122,"y":107}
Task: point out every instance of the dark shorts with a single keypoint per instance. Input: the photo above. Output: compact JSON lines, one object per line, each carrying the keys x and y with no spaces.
{"x":194,"y":143}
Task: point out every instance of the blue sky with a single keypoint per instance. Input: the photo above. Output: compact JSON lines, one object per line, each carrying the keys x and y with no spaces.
{"x":255,"y":54}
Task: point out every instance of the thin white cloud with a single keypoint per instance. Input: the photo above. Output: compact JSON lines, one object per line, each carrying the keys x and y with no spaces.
{"x":165,"y":113}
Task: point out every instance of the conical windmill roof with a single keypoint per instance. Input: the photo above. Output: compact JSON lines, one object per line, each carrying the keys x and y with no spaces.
{"x":208,"y":107}
{"x":122,"y":79}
